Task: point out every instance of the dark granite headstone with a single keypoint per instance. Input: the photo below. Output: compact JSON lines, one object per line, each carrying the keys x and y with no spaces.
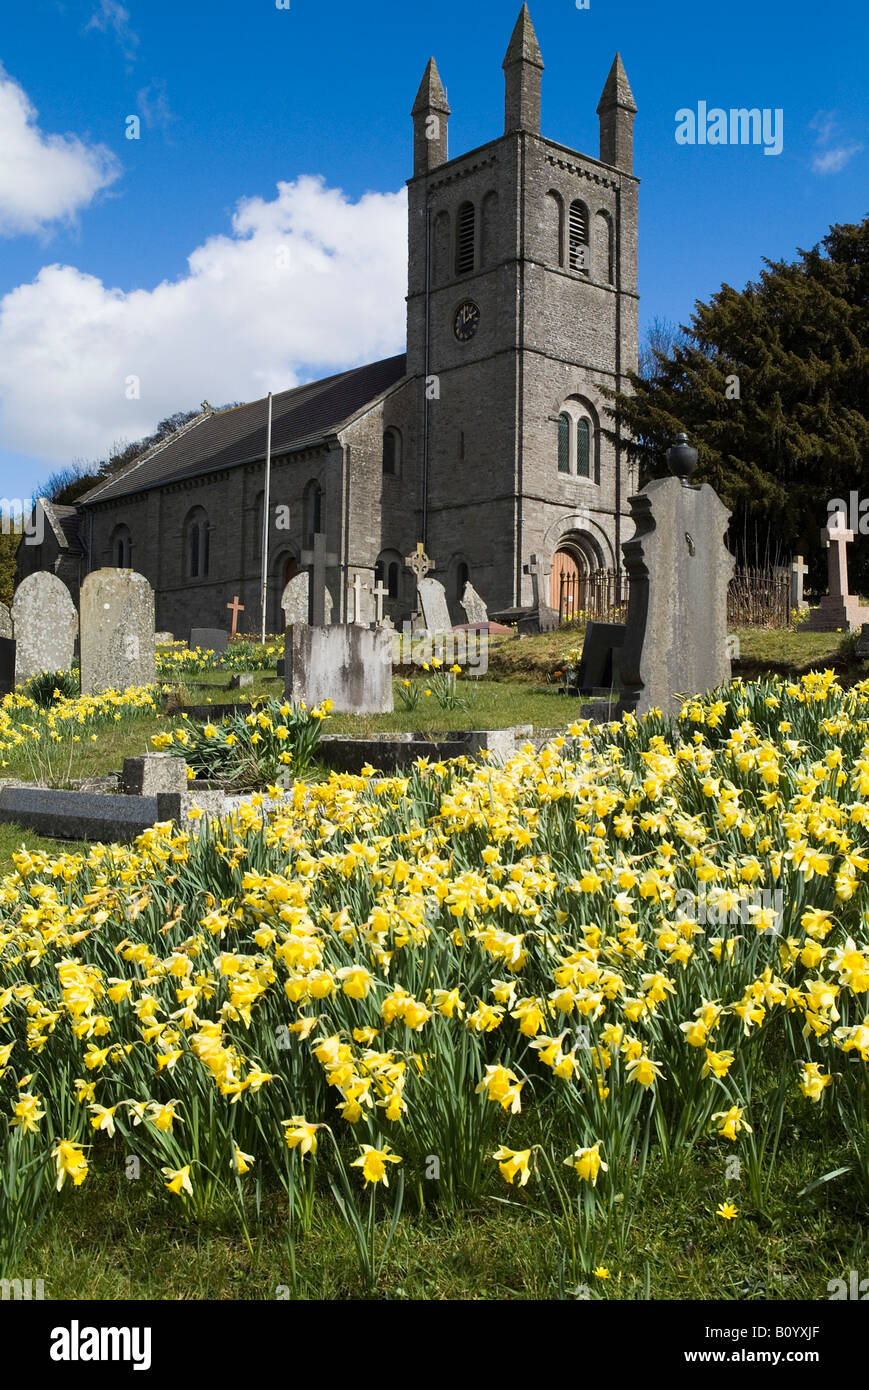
{"x":861,"y":651}
{"x":679,"y":569}
{"x":596,"y":667}
{"x":208,"y":639}
{"x":7,"y":665}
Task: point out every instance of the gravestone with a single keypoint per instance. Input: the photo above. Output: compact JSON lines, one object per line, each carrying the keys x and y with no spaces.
{"x":598,"y":668}
{"x":5,"y":621}
{"x":861,"y":651}
{"x":838,"y":608}
{"x":679,"y":568}
{"x":475,"y":608}
{"x":45,"y":625}
{"x":433,"y":601}
{"x":344,"y":663}
{"x":318,"y":559}
{"x":296,"y":602}
{"x":380,"y":592}
{"x":7,"y":665}
{"x":208,"y":639}
{"x":235,"y":608}
{"x":799,"y":570}
{"x":117,"y":631}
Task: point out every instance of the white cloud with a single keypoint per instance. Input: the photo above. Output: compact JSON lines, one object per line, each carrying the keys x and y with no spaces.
{"x":307,"y":283}
{"x":829,"y":159}
{"x":110,"y":17}
{"x":43,"y":178}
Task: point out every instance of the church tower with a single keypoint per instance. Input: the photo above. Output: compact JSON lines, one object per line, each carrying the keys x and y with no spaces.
{"x":522,"y":306}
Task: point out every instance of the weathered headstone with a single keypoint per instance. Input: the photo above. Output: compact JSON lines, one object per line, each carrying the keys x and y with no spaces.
{"x":117,"y":631}
{"x":838,"y":608}
{"x":679,"y":569}
{"x":7,"y":665}
{"x":296,"y":603}
{"x":380,"y":592}
{"x":45,"y":625}
{"x":318,"y":560}
{"x":598,"y":668}
{"x":5,"y":621}
{"x":433,"y":600}
{"x":475,"y":608}
{"x":542,"y":617}
{"x":164,"y":639}
{"x":208,"y":639}
{"x":861,"y":651}
{"x":356,"y":590}
{"x":344,"y":663}
{"x":799,"y":570}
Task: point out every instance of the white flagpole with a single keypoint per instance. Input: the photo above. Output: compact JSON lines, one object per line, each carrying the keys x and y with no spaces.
{"x":266,"y":509}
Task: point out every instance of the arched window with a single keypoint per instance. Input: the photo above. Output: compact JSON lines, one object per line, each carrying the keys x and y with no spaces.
{"x":121,"y":546}
{"x":578,"y":236}
{"x":197,"y":544}
{"x":583,"y":449}
{"x":387,"y":572}
{"x":604,"y":248}
{"x":578,"y":439}
{"x":463,"y":574}
{"x":554,"y":247}
{"x":466,"y":233}
{"x":391,"y":452}
{"x":312,"y":510}
{"x":564,"y":443}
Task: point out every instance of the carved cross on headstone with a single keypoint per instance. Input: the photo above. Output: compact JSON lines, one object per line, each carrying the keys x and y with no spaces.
{"x":836,"y":535}
{"x":316,"y":561}
{"x":380,"y":592}
{"x":539,"y":571}
{"x":799,"y":570}
{"x":235,"y":608}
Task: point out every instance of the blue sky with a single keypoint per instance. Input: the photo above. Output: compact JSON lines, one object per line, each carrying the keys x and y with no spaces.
{"x":153,"y":260}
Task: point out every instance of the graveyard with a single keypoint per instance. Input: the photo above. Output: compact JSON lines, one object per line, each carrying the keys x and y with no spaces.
{"x":544,"y":976}
{"x":434,"y":779}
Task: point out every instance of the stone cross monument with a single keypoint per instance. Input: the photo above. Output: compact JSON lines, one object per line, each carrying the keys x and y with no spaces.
{"x":838,"y":608}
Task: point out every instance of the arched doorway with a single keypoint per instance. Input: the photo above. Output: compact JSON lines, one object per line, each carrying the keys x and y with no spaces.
{"x":574,"y":565}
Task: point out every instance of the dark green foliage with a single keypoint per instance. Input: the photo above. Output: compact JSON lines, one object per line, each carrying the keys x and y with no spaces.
{"x":798,"y":433}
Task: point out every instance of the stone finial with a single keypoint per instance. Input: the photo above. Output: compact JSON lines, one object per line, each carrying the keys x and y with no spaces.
{"x":431,"y":112}
{"x":616,"y":110}
{"x":523,"y":66}
{"x":681,"y":458}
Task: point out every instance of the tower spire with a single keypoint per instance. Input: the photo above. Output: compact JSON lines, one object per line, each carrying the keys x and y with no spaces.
{"x":523,"y":67}
{"x":431,"y":112}
{"x":616,"y":110}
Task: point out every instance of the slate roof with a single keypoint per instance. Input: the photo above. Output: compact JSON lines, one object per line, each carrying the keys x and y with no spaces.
{"x":64,"y":521}
{"x":221,"y":439}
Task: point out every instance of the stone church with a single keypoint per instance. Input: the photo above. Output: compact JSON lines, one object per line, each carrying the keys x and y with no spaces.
{"x":483,"y":441}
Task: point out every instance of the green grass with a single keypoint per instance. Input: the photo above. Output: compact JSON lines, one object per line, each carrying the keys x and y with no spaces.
{"x":119,"y":1239}
{"x":781,"y":651}
{"x":212,"y":687}
{"x":114,"y":742}
{"x":16,"y":837}
{"x":496,"y":704}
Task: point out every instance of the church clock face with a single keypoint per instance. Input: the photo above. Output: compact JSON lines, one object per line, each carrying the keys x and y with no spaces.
{"x":466,"y":321}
